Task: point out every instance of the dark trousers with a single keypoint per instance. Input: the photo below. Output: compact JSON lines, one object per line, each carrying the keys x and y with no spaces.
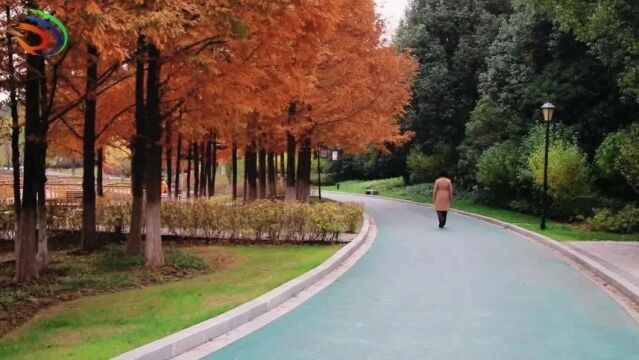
{"x":442,"y":215}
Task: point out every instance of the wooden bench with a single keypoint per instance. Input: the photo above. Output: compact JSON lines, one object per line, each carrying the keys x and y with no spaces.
{"x":372,"y":192}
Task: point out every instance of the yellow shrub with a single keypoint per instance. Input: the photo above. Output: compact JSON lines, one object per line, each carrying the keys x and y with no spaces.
{"x":212,"y":218}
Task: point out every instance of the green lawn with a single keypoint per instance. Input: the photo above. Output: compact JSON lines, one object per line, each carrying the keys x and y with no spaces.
{"x":394,"y":188}
{"x":101,"y":327}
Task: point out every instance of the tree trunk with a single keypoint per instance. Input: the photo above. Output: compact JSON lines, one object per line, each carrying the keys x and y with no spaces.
{"x":291,"y":190}
{"x":272,"y":177}
{"x":245,"y":194}
{"x":213,"y":166}
{"x":262,"y":174}
{"x":26,"y":252}
{"x":100,"y":164}
{"x":319,"y":173}
{"x":169,"y":155}
{"x":134,"y":241}
{"x":283,"y":166}
{"x":42,"y":256}
{"x":89,"y":235}
{"x":196,"y":172}
{"x":43,"y":247}
{"x":178,"y":166}
{"x":203,"y":169}
{"x":209,"y":167}
{"x":300,"y":172}
{"x":189,"y":164}
{"x":153,"y":245}
{"x":15,"y":122}
{"x":250,"y":163}
{"x":234,"y":174}
{"x":304,"y":172}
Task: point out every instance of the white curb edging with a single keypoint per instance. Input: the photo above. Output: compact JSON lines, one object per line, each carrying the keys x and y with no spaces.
{"x":217,"y":344}
{"x":185,"y":340}
{"x":625,"y":287}
{"x":628,"y":289}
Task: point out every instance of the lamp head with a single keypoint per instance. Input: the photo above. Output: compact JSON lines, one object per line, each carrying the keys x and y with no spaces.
{"x":548,"y":111}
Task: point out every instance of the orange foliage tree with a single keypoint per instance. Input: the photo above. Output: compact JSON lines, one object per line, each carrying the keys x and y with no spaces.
{"x":178,"y":80}
{"x":362,"y":88}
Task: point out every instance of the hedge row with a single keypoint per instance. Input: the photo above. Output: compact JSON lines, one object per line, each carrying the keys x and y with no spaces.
{"x":212,"y":218}
{"x":275,"y":221}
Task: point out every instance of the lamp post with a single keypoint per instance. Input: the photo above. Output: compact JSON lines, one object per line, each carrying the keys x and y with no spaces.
{"x":322,"y":153}
{"x":548,"y":111}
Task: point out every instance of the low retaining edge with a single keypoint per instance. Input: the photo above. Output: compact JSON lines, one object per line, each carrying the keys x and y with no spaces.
{"x":192,"y":337}
{"x":628,"y":289}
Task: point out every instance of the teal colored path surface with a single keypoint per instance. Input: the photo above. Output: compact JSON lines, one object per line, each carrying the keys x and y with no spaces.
{"x":471,"y":291}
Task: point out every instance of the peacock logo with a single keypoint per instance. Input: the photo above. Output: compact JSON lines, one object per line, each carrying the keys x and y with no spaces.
{"x":53,"y":35}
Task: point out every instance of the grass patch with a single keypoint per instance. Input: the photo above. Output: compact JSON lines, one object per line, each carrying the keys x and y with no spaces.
{"x":118,"y":260}
{"x":100,"y":327}
{"x":422,"y":193}
{"x":70,"y":276}
{"x":183,"y":260}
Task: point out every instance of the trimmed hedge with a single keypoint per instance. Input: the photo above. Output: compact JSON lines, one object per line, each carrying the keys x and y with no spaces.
{"x":7,"y":221}
{"x":261,"y":220}
{"x":212,"y":218}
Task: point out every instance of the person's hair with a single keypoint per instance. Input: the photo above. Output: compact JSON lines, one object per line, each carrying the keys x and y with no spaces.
{"x":443,"y":174}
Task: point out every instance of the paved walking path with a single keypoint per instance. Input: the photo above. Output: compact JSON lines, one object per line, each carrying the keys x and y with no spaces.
{"x":471,"y":291}
{"x":620,"y":257}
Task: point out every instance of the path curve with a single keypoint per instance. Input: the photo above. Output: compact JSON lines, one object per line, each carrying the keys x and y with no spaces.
{"x":471,"y":291}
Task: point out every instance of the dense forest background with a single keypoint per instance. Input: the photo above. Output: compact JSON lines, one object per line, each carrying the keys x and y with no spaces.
{"x":486,"y":67}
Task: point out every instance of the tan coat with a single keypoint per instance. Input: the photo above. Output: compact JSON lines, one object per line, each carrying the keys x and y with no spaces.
{"x":442,"y":194}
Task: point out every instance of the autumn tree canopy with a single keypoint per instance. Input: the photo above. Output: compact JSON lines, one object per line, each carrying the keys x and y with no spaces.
{"x":184,"y":84}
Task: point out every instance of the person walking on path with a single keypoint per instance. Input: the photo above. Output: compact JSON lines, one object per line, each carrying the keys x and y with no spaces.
{"x":164,"y":188}
{"x":442,"y":197}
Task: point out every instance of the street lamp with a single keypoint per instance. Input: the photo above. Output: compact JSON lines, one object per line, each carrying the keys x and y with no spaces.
{"x":548,"y":111}
{"x":322,"y":153}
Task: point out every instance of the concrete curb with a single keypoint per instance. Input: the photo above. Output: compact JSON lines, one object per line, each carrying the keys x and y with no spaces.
{"x":628,"y":289}
{"x":625,"y":287}
{"x":185,"y":340}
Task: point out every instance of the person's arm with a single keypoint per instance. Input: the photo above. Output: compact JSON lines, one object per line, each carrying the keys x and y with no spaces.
{"x":435,"y":192}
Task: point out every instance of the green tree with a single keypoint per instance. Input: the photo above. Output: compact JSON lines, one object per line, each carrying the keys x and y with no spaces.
{"x":569,"y":179}
{"x":617,"y":160}
{"x":451,"y":40}
{"x":483,"y":130}
{"x":531,"y":61}
{"x":372,"y":165}
{"x":497,"y":171}
{"x":628,"y":161}
{"x":607,"y":156}
{"x":515,"y":56}
{"x":610,"y":26}
{"x":424,"y":168}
